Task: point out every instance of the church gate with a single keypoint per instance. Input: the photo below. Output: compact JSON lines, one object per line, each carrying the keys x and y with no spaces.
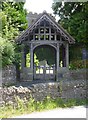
{"x":45,"y":31}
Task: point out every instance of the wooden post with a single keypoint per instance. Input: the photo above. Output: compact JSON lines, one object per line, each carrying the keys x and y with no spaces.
{"x":38,"y":32}
{"x":55,"y":36}
{"x":23,"y":58}
{"x":57,"y":61}
{"x":67,"y":55}
{"x":31,"y":56}
{"x":50,"y":33}
{"x":31,"y":60}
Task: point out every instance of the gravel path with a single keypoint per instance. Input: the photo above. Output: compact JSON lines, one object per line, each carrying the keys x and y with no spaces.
{"x":74,"y":112}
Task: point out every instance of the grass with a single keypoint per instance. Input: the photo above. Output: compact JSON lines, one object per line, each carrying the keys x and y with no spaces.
{"x":8,"y":111}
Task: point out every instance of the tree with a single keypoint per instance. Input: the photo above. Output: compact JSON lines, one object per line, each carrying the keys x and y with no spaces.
{"x":49,"y":57}
{"x":13,"y":19}
{"x":73,"y":17}
{"x":13,"y":22}
{"x":7,"y":51}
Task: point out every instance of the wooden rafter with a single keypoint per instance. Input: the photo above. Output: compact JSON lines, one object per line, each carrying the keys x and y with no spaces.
{"x":51,"y":20}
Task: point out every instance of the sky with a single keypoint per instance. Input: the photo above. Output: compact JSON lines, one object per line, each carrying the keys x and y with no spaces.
{"x":39,"y":6}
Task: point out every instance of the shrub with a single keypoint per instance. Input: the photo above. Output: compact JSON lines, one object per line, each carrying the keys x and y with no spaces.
{"x":32,"y":105}
{"x":7,"y":52}
{"x":78,"y":64}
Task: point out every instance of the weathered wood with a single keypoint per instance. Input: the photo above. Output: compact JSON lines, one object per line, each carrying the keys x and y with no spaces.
{"x":58,"y":56}
{"x":23,"y":57}
{"x":67,"y":55}
{"x":45,"y":16}
{"x":48,"y":33}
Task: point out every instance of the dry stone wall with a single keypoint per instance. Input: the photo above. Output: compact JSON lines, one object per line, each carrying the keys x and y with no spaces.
{"x":79,"y":74}
{"x":73,"y":86}
{"x":9,"y":75}
{"x":63,"y":89}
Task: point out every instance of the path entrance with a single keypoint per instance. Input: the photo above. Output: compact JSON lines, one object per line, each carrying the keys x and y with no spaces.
{"x":44,"y":72}
{"x":46,"y":68}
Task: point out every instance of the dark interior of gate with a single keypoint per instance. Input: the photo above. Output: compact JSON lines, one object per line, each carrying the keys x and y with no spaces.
{"x":45,"y":68}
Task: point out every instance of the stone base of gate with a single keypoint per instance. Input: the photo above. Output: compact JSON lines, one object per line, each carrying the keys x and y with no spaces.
{"x":26,"y":74}
{"x":46,"y":77}
{"x":63,"y":74}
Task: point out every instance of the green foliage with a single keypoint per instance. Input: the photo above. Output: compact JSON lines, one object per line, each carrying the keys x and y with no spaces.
{"x":13,"y":18}
{"x":73,"y":18}
{"x":28,"y":60}
{"x":76,"y":52}
{"x":36,"y":61}
{"x":20,"y":104}
{"x":78,"y":64}
{"x":7,"y":51}
{"x":32,"y":105}
{"x":18,"y":55}
{"x":49,"y":57}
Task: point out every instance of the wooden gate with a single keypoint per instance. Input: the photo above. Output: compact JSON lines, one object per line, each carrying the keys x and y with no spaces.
{"x":44,"y":72}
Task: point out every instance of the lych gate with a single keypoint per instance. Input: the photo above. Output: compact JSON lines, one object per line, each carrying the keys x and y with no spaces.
{"x":45,"y":35}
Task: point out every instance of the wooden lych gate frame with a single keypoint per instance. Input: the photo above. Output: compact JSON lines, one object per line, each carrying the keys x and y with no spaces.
{"x":45,"y":31}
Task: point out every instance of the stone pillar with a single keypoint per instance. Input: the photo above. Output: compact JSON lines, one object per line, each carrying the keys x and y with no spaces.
{"x":23,"y":58}
{"x":57,"y":61}
{"x":67,"y":55}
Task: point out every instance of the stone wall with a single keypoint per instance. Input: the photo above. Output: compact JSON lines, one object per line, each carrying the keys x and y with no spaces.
{"x":79,"y":74}
{"x":9,"y":75}
{"x":73,"y":86}
{"x":26,"y":74}
{"x":65,"y":74}
{"x":31,"y":18}
{"x":64,"y":89}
